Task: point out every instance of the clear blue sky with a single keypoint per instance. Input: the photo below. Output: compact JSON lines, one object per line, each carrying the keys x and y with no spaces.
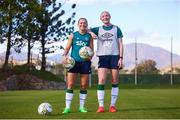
{"x":150,"y":21}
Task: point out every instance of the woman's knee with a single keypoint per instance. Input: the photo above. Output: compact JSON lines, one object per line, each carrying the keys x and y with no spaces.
{"x":114,"y":81}
{"x":70,"y":85}
{"x":84,"y":85}
{"x":101,"y":81}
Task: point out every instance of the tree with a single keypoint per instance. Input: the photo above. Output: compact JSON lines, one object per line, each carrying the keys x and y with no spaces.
{"x":30,"y":28}
{"x":53,"y":28}
{"x":147,"y":67}
{"x":177,"y":70}
{"x":10,"y":19}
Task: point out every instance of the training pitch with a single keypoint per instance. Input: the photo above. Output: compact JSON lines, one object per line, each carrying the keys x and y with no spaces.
{"x":145,"y":103}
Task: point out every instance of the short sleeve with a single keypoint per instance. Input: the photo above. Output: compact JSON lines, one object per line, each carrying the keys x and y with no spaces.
{"x":119,"y":33}
{"x":95,"y":30}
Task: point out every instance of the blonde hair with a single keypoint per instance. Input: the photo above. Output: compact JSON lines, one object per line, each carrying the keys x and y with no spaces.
{"x":105,"y":12}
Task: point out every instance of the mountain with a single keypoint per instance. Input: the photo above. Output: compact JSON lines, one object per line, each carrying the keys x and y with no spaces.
{"x":23,"y":57}
{"x":16,"y":56}
{"x":144,"y":52}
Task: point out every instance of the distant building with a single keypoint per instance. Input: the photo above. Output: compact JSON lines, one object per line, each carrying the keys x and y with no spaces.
{"x":167,"y":70}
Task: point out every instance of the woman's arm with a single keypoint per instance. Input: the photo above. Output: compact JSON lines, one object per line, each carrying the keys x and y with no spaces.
{"x":68,"y":45}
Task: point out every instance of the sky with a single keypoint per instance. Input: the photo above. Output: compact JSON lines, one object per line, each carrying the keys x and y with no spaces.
{"x":153,"y":22}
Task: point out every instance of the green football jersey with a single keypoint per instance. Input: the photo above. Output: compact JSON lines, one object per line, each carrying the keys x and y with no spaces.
{"x":79,"y":40}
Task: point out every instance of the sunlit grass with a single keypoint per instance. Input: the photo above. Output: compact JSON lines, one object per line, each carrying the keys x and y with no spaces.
{"x":132,"y":103}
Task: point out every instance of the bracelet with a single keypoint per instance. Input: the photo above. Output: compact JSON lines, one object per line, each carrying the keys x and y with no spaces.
{"x":121,"y":57}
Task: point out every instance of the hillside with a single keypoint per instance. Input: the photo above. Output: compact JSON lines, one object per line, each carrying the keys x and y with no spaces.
{"x":144,"y":51}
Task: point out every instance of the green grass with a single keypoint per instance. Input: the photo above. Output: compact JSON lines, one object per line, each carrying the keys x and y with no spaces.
{"x":132,"y":103}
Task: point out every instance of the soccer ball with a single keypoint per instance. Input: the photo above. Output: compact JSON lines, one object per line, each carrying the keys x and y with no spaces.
{"x":44,"y":109}
{"x":69,"y":62}
{"x":85,"y":52}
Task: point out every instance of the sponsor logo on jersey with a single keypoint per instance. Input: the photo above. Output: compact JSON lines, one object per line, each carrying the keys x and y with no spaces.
{"x":81,"y":43}
{"x":106,"y":37}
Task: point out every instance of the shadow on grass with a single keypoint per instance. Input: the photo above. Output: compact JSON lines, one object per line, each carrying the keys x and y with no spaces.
{"x":54,"y":114}
{"x":156,"y":108}
{"x":125,"y":110}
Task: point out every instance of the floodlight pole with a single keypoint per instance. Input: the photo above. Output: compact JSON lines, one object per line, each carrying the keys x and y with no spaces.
{"x":65,"y":75}
{"x":171,"y":61}
{"x":90,"y":80}
{"x":135,"y":72}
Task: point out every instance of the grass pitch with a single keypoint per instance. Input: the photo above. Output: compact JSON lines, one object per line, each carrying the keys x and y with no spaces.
{"x":163,"y":103}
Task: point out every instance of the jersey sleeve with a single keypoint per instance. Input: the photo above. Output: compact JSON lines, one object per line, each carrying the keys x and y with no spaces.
{"x":95,"y":30}
{"x":119,"y":33}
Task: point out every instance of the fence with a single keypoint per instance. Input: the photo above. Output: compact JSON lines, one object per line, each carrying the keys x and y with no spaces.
{"x":150,"y":79}
{"x":142,"y":79}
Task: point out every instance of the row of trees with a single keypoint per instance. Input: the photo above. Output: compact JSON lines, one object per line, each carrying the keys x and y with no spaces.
{"x":149,"y":67}
{"x":25,"y":22}
{"x":146,"y":67}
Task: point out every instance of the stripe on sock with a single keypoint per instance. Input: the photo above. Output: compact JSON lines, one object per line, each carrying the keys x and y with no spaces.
{"x":69,"y":91}
{"x":115,"y":85}
{"x":83,"y":91}
{"x":100,"y":87}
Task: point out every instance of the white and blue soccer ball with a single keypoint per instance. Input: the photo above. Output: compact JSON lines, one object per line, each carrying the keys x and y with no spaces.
{"x":86,"y":52}
{"x":69,"y":62}
{"x":44,"y":108}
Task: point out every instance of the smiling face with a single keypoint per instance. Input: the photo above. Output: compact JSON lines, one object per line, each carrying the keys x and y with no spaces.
{"x":105,"y":17}
{"x":82,"y":24}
